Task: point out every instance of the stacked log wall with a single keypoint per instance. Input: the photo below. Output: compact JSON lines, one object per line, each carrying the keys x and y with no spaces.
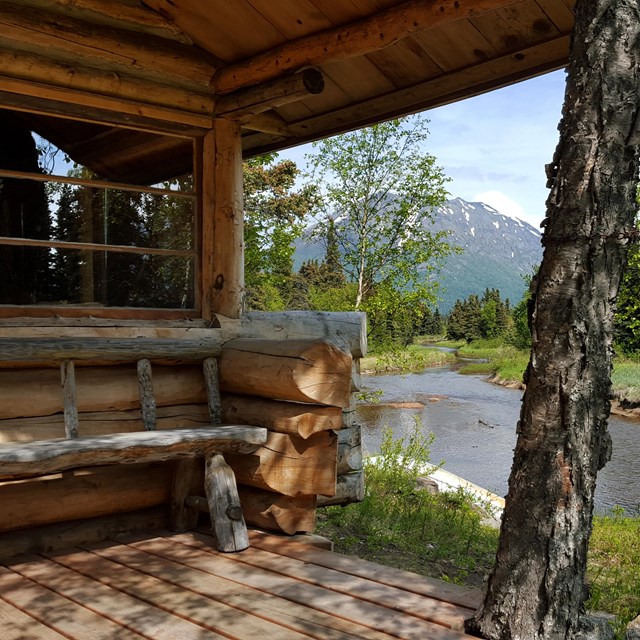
{"x":279,"y":483}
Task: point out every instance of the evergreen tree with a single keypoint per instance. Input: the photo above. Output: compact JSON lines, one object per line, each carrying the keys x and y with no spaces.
{"x":332,"y":266}
{"x":627,"y":319}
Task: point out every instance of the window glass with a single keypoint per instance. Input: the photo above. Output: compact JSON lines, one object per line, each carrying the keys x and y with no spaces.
{"x":68,"y":237}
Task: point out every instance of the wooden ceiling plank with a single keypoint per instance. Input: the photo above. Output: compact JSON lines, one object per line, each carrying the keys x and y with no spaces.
{"x":559,"y":13}
{"x":47,"y":31}
{"x":339,"y":12}
{"x":404,"y":62}
{"x":292,"y":18}
{"x":358,"y":77}
{"x":332,"y":96}
{"x":297,"y":111}
{"x":369,"y":34}
{"x":118,"y":13}
{"x":456,"y":45}
{"x":228,"y":30}
{"x":511,"y":28}
{"x":457,"y":85}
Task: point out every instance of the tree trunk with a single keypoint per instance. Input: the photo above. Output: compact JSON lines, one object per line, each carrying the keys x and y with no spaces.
{"x":536,"y":589}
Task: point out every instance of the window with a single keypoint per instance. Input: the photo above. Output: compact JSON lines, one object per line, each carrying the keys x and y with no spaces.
{"x":114,"y":228}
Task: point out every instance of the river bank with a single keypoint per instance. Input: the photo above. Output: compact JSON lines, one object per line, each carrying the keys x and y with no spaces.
{"x":502,"y":364}
{"x":622,"y":407}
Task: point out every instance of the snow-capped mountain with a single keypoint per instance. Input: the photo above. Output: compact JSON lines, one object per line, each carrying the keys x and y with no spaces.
{"x":498,"y":251}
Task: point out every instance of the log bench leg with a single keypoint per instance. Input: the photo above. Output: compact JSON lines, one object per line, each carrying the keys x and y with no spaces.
{"x":224,"y":505}
{"x":187,"y":476}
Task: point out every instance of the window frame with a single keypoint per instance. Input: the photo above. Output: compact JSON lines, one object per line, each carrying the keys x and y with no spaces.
{"x":81,"y":310}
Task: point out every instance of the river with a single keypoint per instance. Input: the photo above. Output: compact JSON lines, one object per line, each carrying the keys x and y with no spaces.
{"x":474,"y":424}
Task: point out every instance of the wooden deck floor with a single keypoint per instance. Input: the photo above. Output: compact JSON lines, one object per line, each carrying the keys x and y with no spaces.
{"x":177,"y":587}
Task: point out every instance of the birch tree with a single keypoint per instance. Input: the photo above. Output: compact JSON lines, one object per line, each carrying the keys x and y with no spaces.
{"x":536,"y":589}
{"x":380,"y":186}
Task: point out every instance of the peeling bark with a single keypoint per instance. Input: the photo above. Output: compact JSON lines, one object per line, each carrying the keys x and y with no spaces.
{"x":536,"y":589}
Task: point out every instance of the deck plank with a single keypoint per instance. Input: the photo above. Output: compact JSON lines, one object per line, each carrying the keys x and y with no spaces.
{"x":164,"y":586}
{"x":316,"y":624}
{"x":57,"y":612}
{"x":196,"y":554}
{"x":111,"y":603}
{"x":206,"y":612}
{"x":17,"y":625}
{"x":422,"y":585}
{"x":443,"y":613}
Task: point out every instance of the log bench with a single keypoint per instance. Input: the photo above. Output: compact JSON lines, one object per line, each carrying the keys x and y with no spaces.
{"x":186,"y":446}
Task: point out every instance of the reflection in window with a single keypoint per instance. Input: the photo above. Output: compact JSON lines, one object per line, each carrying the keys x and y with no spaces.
{"x":79,"y":240}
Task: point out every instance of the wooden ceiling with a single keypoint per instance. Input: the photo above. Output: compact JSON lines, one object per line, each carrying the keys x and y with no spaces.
{"x":169,"y":65}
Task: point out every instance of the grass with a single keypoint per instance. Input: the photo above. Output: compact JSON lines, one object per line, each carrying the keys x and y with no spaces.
{"x":442,"y":535}
{"x":412,"y":358}
{"x":399,"y":525}
{"x":626,"y":379}
{"x":614,"y":558}
{"x":508,"y":364}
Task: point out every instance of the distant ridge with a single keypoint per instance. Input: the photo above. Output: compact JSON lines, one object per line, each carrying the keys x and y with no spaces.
{"x":498,"y":251}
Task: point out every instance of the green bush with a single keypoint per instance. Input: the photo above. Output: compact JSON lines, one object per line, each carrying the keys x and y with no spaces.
{"x":400,"y":524}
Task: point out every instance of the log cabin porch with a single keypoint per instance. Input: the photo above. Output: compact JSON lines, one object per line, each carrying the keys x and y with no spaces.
{"x":163,"y":585}
{"x":158,"y":102}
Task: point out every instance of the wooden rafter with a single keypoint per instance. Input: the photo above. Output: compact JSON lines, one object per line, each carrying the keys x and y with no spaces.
{"x":111,"y":12}
{"x":150,"y":55}
{"x":500,"y":71}
{"x":357,"y":38}
{"x":255,"y":100}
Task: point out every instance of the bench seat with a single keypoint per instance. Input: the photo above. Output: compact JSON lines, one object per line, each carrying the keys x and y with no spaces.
{"x":43,"y":457}
{"x":28,"y":459}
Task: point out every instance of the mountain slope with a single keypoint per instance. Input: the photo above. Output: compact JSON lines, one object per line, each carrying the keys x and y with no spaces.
{"x":497,"y":251}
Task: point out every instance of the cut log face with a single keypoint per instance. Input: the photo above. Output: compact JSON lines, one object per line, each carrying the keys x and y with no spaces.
{"x":268,"y":510}
{"x":310,"y":371}
{"x":285,"y":417}
{"x":290,"y":465}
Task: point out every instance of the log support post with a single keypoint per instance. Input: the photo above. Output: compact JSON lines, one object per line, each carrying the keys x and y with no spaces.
{"x":68,"y":382}
{"x":224,"y":505}
{"x":222,"y":221}
{"x":210,"y":370}
{"x":147,"y":399}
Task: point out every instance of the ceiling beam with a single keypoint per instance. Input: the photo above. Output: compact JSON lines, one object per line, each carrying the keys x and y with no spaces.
{"x":127,"y":15}
{"x":276,"y":93}
{"x":81,"y":42}
{"x":456,"y":85}
{"x":46,"y":70}
{"x":357,"y":38}
{"x":269,"y":122}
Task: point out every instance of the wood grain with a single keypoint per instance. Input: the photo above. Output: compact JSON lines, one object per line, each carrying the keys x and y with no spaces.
{"x":312,"y":371}
{"x":51,"y":456}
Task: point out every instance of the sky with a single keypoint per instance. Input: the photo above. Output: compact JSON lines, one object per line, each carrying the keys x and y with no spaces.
{"x":494,"y":147}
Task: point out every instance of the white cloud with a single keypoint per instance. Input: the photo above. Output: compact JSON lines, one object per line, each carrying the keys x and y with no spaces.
{"x":505,"y":205}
